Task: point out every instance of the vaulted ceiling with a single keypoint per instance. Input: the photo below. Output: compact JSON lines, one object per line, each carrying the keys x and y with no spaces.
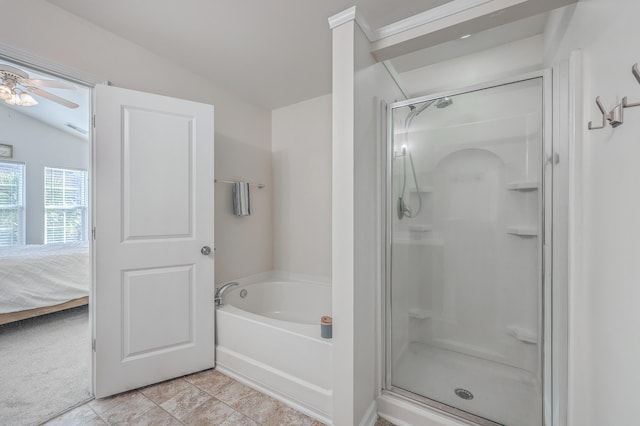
{"x":271,"y":52}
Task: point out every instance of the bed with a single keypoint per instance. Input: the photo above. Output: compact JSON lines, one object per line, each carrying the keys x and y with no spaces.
{"x":40,"y":279}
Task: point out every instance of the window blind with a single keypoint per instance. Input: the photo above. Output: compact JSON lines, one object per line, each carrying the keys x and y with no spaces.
{"x":11,"y":204}
{"x":65,"y":203}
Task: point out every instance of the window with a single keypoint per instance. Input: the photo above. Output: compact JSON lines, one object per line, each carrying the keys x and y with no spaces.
{"x":65,"y":205}
{"x":11,"y":204}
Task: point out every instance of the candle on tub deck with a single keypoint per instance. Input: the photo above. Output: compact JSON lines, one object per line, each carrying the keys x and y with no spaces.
{"x":326,"y":324}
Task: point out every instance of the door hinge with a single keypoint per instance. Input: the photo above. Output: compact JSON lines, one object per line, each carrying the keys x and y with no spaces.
{"x":93,"y":345}
{"x":93,"y":121}
{"x":93,"y":233}
{"x":553,"y":158}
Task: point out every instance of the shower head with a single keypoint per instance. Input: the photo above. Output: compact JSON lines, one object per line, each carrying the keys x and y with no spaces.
{"x":444,"y":102}
{"x":441,"y":103}
{"x":414,"y":110}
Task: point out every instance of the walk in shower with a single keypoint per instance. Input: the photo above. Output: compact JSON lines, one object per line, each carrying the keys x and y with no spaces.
{"x":468,"y":211}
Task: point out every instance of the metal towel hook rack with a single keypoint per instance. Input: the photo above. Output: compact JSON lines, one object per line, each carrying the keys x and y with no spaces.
{"x":636,"y":74}
{"x":615,"y":117}
{"x":605,"y":116}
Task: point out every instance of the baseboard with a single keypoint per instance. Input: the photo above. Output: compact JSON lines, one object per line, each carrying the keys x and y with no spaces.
{"x":371,"y":416}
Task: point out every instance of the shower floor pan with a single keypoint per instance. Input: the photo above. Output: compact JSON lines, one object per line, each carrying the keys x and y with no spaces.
{"x":501,"y":393}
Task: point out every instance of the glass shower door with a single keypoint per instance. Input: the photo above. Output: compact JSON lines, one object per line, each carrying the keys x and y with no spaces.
{"x":465,"y":286}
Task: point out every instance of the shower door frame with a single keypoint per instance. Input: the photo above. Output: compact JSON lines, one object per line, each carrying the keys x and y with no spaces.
{"x":550,"y":396}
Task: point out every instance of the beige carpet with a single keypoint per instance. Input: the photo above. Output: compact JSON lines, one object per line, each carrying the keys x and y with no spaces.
{"x":44,"y":366}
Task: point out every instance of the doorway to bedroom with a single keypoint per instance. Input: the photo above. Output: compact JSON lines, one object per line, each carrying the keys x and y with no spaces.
{"x":45,"y":262}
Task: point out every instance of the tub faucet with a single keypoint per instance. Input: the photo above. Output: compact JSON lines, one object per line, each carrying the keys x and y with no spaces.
{"x":220,"y":292}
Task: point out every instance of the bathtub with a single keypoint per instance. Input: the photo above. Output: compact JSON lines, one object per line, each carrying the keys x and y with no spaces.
{"x":270,"y":339}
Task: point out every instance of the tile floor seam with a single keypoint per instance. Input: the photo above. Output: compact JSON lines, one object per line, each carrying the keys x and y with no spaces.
{"x":190,"y":410}
{"x":213,"y":396}
{"x":100,"y":416}
{"x":249,"y":417}
{"x":145,"y":412}
{"x":225,"y":404}
{"x":235,"y":411}
{"x":136,"y":392}
{"x":160,"y":407}
{"x":110,"y":408}
{"x":94,"y":411}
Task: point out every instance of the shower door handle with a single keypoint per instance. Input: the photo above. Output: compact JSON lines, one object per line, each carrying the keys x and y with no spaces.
{"x":206,"y":250}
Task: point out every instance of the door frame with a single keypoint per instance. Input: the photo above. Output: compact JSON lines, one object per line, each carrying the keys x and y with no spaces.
{"x":554,"y":348}
{"x":88,"y":81}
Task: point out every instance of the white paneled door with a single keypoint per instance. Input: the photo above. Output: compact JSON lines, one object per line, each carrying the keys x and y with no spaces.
{"x":153,"y":214}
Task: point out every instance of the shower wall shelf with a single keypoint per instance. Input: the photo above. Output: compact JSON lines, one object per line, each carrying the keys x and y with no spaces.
{"x":420,"y":228}
{"x":524,"y":335}
{"x":523,"y":186}
{"x":428,"y":242}
{"x":425,"y":190}
{"x":420,"y":314}
{"x":522,"y":231}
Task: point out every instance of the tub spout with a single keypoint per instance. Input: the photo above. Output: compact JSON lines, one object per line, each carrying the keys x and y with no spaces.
{"x":220,"y":292}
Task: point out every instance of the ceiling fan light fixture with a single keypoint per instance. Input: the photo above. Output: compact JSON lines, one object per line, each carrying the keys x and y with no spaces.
{"x":14,"y":99}
{"x":27,"y":100}
{"x":21,"y":99}
{"x":15,"y":83}
{"x":5,"y":92}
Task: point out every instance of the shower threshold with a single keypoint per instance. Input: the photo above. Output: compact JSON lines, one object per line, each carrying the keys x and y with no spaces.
{"x":432,"y":375}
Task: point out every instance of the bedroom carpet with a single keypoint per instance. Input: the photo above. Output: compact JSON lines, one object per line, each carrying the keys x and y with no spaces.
{"x":45,"y":365}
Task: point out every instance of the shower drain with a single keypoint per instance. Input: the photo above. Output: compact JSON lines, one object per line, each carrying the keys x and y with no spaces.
{"x":463,"y":393}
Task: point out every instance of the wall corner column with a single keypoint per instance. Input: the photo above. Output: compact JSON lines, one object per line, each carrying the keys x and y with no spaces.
{"x":342,"y":216}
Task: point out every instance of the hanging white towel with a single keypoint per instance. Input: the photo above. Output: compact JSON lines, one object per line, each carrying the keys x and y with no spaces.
{"x":241,"y":199}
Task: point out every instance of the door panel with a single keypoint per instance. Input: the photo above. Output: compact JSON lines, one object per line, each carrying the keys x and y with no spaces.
{"x":157,"y":204}
{"x":145,"y":335}
{"x":153,"y":213}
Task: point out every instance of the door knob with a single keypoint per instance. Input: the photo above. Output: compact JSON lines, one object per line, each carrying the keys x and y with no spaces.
{"x":206,"y":250}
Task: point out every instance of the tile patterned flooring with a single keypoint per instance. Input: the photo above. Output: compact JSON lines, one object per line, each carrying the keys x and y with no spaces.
{"x":205,"y":398}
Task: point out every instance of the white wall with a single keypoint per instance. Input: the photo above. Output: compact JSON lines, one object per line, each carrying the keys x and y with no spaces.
{"x":301,"y":147}
{"x":244,"y":245}
{"x":242,"y":130}
{"x":604,"y":342}
{"x":38,"y":145}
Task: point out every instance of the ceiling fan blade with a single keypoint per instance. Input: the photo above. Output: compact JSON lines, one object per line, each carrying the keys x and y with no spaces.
{"x":52,"y":97}
{"x":4,"y":68}
{"x":47,"y":83}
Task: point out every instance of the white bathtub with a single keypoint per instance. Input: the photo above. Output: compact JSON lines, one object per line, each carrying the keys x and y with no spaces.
{"x":271,"y":339}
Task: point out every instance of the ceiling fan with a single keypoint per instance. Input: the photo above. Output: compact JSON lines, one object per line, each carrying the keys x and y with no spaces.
{"x":16,"y":88}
